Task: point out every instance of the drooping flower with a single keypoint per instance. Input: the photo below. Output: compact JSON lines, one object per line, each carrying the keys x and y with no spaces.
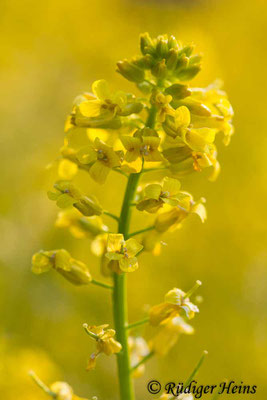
{"x":105,"y":343}
{"x":73,"y":270}
{"x":122,"y":254}
{"x":66,"y":195}
{"x":175,"y":302}
{"x":173,"y":218}
{"x":101,"y":158}
{"x":170,"y":330}
{"x":156,"y":195}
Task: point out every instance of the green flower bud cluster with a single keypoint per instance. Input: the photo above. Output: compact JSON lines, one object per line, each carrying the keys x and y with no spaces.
{"x":165,"y":58}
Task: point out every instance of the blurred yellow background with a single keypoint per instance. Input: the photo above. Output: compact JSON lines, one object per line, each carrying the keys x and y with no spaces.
{"x":54,"y":50}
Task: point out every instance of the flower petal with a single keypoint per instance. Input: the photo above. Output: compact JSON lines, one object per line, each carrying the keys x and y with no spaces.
{"x":133,"y":247}
{"x":99,"y":172}
{"x":115,"y":241}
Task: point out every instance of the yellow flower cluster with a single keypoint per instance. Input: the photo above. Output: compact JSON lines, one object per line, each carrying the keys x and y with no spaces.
{"x":169,"y":130}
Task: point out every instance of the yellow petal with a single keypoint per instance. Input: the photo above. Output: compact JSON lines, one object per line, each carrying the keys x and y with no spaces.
{"x":101,"y":90}
{"x":171,"y":186}
{"x":99,"y":172}
{"x":133,"y":247}
{"x":115,"y":241}
{"x":128,"y":264}
{"x":153,"y":191}
{"x":182,"y":117}
{"x":90,"y":108}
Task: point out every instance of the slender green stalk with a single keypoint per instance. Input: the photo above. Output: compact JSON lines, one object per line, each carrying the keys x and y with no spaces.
{"x":120,"y":298}
{"x":149,"y":228}
{"x":111,"y":215}
{"x":102,"y":284}
{"x":137,"y":323}
{"x":120,"y":311}
{"x":41,"y":384}
{"x":145,"y":359}
{"x":91,"y":334}
{"x":196,"y":369}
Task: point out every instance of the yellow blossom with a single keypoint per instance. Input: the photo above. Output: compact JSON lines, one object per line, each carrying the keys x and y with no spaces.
{"x":66,"y":195}
{"x":101,"y":158}
{"x":162,"y":102}
{"x":155,"y":195}
{"x":105,"y":342}
{"x":175,"y":302}
{"x":73,"y":270}
{"x":122,"y":252}
{"x":143,"y":144}
{"x":172,"y":219}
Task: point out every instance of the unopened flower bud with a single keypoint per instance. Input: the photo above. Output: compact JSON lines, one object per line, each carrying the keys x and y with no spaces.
{"x":146,"y":43}
{"x":130,"y":71}
{"x":172,"y":58}
{"x":160,"y":70}
{"x":178,"y":91}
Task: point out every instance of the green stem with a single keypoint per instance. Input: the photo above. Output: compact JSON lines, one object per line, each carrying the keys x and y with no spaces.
{"x":149,"y":228}
{"x":120,"y":298}
{"x":102,"y":284}
{"x":145,"y":359}
{"x":111,"y":215}
{"x":138,"y":323}
{"x":42,"y":385}
{"x":91,"y":334}
{"x":196,"y":369}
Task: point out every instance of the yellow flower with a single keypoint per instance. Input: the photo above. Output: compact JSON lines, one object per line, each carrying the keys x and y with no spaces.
{"x":178,"y":124}
{"x":142,"y":145}
{"x":170,"y":330}
{"x":105,"y":342}
{"x":173,"y":218}
{"x":64,"y":391}
{"x":176,"y":301}
{"x":101,"y":158}
{"x":66,"y":195}
{"x":189,"y":144}
{"x":73,"y":270}
{"x":123,"y":252}
{"x":155,"y":195}
{"x":138,"y":350}
{"x":162,"y":102}
{"x":103,"y":108}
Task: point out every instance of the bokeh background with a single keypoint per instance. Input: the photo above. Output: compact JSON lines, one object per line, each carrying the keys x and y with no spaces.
{"x":54,"y":50}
